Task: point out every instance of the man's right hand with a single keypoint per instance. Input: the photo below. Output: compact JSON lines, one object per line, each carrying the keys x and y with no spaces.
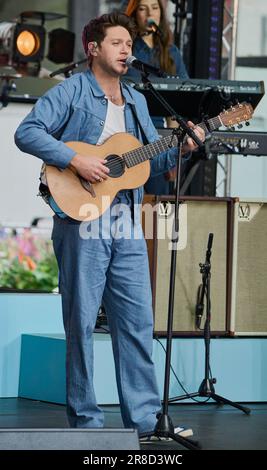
{"x":90,"y":168}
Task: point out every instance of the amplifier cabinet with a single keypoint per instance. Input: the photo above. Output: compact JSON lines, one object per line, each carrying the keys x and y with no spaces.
{"x":198,"y":217}
{"x":249,"y":275}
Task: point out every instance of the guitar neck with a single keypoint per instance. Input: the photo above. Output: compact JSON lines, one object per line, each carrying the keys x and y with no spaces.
{"x":149,"y":151}
{"x":211,"y":124}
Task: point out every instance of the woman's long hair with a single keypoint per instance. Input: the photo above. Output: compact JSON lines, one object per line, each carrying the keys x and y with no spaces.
{"x":162,"y":41}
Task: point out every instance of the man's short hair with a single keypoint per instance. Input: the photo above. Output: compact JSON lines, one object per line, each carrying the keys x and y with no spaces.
{"x":95,"y":30}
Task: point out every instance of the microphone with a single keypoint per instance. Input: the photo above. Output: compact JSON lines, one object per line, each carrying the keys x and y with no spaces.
{"x":143,"y":67}
{"x":155,"y":28}
{"x":199,"y":306}
{"x":205,"y":270}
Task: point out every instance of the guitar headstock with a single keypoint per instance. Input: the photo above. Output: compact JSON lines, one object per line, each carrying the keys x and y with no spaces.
{"x":237,"y":114}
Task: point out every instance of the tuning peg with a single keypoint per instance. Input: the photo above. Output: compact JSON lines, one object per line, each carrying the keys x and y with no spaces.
{"x":240,"y":126}
{"x":247,"y":123}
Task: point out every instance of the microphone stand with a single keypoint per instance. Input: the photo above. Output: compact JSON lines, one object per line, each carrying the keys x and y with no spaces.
{"x":179,"y":17}
{"x":7,"y":87}
{"x":164,"y":427}
{"x":206,"y":388}
{"x":68,"y":69}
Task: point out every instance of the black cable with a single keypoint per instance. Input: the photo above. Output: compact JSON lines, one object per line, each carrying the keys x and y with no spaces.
{"x":177,"y":378}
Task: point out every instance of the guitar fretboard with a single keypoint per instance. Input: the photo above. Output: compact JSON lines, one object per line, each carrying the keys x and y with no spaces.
{"x":211,"y":124}
{"x":141,"y":154}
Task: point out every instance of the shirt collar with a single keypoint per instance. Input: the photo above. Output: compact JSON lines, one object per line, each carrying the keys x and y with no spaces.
{"x":126,"y":91}
{"x":139,"y":44}
{"x":98,"y":92}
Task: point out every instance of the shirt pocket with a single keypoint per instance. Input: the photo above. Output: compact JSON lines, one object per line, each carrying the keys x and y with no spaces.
{"x":84,"y":126}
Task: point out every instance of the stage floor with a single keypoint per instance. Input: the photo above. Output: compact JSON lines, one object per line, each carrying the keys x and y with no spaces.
{"x":215,"y":427}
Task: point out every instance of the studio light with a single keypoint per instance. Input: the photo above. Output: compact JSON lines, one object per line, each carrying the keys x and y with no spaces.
{"x":28,"y":43}
{"x":23,"y":42}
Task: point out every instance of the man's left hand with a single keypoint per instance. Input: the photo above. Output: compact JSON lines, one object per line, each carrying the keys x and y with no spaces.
{"x":190,"y":145}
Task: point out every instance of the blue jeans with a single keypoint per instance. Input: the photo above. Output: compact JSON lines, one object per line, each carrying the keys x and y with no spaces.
{"x":113,"y":270}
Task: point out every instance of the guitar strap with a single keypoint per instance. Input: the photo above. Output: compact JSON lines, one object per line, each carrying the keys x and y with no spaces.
{"x":145,"y":141}
{"x":144,"y":137}
{"x":43,"y":187}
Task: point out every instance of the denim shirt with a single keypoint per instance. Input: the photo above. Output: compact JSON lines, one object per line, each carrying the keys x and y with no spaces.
{"x":150,"y":56}
{"x":75,"y":110}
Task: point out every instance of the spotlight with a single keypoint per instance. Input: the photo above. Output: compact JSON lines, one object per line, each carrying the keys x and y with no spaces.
{"x":22,"y":42}
{"x":28,"y":43}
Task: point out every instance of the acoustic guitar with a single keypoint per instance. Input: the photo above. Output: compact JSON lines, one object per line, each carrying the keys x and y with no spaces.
{"x":128,"y":162}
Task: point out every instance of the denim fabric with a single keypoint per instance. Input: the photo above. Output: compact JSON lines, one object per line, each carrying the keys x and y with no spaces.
{"x":109,"y":267}
{"x":151,"y":56}
{"x":156,"y":184}
{"x":75,"y":110}
{"x":115,"y":269}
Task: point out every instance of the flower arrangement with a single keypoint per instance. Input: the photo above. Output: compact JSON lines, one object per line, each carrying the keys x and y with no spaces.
{"x":27,"y":261}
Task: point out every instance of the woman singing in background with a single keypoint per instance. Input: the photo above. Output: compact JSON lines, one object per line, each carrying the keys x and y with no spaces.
{"x":154,"y":46}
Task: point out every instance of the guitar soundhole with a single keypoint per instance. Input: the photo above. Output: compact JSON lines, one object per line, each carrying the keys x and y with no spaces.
{"x":116,"y":166}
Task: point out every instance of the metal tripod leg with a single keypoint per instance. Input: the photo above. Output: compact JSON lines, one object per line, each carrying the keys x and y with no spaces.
{"x":165,"y":429}
{"x":225,"y":401}
{"x":206,"y":388}
{"x":214,"y":396}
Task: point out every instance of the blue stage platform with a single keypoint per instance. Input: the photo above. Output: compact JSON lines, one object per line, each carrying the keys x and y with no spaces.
{"x":32,"y":357}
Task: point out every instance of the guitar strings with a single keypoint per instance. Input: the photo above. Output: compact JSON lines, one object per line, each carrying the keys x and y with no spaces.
{"x":132,"y":156}
{"x":117,"y":162}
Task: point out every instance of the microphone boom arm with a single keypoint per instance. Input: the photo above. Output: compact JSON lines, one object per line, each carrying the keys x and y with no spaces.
{"x":170,"y":111}
{"x":67,"y":70}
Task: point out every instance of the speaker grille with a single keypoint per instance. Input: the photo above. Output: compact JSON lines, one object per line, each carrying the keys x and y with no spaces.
{"x":203,"y":217}
{"x":249,"y":306}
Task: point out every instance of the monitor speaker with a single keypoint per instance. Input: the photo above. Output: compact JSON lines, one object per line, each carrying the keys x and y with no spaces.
{"x":69,"y":439}
{"x":198,"y":218}
{"x":249,"y":277}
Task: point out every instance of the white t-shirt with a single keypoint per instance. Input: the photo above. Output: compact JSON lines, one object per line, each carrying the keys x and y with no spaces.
{"x":115,"y":122}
